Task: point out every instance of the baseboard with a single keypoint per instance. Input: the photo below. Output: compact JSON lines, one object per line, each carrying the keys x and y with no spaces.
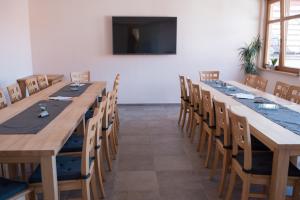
{"x":150,"y":104}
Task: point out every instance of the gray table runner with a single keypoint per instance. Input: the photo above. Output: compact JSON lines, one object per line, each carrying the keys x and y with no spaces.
{"x":28,"y":121}
{"x":282,"y":116}
{"x":68,"y":91}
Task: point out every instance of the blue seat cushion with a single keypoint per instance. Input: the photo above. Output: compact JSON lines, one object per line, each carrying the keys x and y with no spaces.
{"x":89,"y":114}
{"x":9,"y":188}
{"x":256,"y":145}
{"x":262,"y":164}
{"x":68,"y":168}
{"x":73,"y":144}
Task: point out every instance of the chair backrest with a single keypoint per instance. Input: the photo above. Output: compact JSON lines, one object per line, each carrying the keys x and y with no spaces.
{"x":294,"y":94}
{"x":190,"y":90}
{"x":99,"y":113}
{"x":116,"y":86}
{"x":116,"y":82}
{"x":250,"y":80}
{"x":209,"y":75}
{"x":261,"y":83}
{"x":208,"y":109}
{"x":14,"y":93}
{"x":3,"y":103}
{"x":183,"y":88}
{"x":80,"y":77}
{"x":108,"y":110}
{"x":32,"y":86}
{"x":89,"y":143}
{"x":42,"y":81}
{"x":222,"y":122}
{"x":241,"y":138}
{"x":197,"y":98}
{"x":281,"y":89}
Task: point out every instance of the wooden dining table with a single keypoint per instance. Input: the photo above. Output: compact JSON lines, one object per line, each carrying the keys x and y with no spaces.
{"x":284,"y":143}
{"x":44,"y":146}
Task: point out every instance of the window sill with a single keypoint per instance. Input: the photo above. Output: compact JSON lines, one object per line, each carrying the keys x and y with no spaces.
{"x":278,"y":72}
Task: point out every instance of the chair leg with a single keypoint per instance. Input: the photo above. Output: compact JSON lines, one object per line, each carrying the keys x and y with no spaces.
{"x":94,"y":187}
{"x":193,"y":129}
{"x":107,"y":153}
{"x":112,"y":146}
{"x":185,"y":111}
{"x":296,"y":191}
{"x":31,"y":196}
{"x":86,"y":191}
{"x":189,"y":120}
{"x":202,"y":139}
{"x":209,"y":149}
{"x":116,"y":135}
{"x":180,"y":113}
{"x":191,"y":123}
{"x":98,"y":172}
{"x":231,"y":184}
{"x":102,"y":165}
{"x":246,"y":189}
{"x":225,"y":167}
{"x":23,"y":171}
{"x":215,"y":163}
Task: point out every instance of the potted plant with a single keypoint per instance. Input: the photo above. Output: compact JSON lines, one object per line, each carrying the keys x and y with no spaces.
{"x":274,"y":62}
{"x":248,"y":55}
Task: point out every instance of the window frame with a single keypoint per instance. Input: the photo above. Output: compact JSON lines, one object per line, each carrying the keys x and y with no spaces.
{"x":282,"y":20}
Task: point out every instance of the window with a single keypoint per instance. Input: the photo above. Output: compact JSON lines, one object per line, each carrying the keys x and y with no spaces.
{"x":283,"y":35}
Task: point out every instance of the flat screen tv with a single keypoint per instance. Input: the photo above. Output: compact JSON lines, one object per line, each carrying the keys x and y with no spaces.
{"x":144,"y":35}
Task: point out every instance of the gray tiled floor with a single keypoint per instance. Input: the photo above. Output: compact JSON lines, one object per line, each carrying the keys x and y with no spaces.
{"x":156,"y":160}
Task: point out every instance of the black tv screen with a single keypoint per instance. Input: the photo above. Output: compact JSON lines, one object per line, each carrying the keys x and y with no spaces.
{"x":144,"y":35}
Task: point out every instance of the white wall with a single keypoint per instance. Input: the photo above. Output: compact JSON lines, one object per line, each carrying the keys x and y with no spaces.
{"x":15,"y":50}
{"x":273,"y":77}
{"x":74,"y":35}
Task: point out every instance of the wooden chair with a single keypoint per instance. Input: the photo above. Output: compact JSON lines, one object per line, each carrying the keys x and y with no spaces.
{"x":74,"y":145}
{"x":42,"y":81}
{"x":252,"y":167}
{"x":75,"y":172}
{"x":190,"y":105}
{"x":14,"y":93}
{"x":223,"y":143}
{"x":116,"y":89}
{"x":80,"y":77}
{"x":293,"y":94}
{"x":250,"y":80}
{"x":108,"y":130}
{"x":32,"y":86}
{"x":184,"y":102}
{"x":281,"y":89}
{"x":3,"y":103}
{"x":208,"y":128}
{"x":197,"y":111}
{"x":13,"y":190}
{"x":256,"y":82}
{"x":209,"y":75}
{"x":261,"y":83}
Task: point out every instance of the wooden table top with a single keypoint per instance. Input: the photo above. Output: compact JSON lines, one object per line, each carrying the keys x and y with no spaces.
{"x":50,"y":139}
{"x":270,"y":133}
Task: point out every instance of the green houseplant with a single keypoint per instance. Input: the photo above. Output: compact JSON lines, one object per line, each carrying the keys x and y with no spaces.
{"x":248,"y":55}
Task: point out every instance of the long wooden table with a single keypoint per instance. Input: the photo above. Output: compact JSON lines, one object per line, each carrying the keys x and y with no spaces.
{"x":43,"y":147}
{"x":281,"y":141}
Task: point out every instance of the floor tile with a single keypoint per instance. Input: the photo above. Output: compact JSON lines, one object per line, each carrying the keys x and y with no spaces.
{"x":136,"y":181}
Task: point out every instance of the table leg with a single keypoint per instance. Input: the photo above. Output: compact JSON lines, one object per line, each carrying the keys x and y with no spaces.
{"x":280,"y":169}
{"x":49,"y":178}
